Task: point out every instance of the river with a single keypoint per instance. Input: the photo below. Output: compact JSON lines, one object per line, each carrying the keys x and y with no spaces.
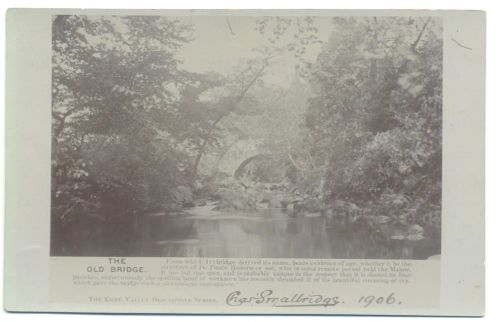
{"x":270,"y":233}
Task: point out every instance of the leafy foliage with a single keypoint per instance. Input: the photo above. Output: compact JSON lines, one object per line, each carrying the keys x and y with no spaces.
{"x":117,"y":144}
{"x":375,"y":118}
{"x":357,"y":131}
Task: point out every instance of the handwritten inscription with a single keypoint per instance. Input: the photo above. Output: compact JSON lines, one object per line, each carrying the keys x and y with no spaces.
{"x":267,"y":297}
{"x":270,"y":298}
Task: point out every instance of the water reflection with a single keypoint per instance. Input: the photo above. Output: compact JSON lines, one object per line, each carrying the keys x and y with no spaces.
{"x":271,"y":233}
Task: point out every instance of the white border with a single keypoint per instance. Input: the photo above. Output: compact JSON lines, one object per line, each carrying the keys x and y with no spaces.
{"x":493,"y":130}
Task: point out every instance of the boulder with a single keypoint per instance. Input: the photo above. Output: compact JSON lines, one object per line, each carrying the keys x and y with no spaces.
{"x":232,"y":200}
{"x":415,"y":230}
{"x":379,"y":220}
{"x":183,"y":195}
{"x":308,"y":205}
{"x":274,"y":203}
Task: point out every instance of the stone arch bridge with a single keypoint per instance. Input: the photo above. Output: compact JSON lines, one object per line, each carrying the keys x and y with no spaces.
{"x":240,"y":155}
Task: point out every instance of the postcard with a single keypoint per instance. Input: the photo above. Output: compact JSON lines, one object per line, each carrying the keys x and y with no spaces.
{"x":245,"y":161}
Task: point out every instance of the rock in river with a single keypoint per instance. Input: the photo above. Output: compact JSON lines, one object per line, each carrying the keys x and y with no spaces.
{"x":232,"y":200}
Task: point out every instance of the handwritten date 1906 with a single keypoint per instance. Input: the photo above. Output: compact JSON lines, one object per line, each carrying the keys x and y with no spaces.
{"x":370,"y":300}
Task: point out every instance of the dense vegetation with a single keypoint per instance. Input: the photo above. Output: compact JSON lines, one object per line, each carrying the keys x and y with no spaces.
{"x":356,"y":134}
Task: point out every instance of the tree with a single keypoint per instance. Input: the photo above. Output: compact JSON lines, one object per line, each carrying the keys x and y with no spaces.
{"x":117,"y":146}
{"x":375,"y":118}
{"x":229,"y":104}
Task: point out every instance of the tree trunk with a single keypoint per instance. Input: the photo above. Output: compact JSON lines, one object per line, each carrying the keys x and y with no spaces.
{"x":236,"y":102}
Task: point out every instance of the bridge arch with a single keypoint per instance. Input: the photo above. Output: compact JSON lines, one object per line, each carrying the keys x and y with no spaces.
{"x":240,"y":171}
{"x":240,"y":152}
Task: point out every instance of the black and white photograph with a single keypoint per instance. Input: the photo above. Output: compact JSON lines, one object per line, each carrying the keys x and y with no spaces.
{"x":233,"y":136}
